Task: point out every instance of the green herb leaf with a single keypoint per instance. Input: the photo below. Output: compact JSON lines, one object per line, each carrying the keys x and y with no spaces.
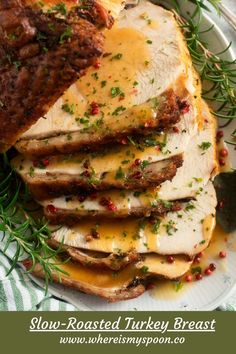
{"x":205,"y":145}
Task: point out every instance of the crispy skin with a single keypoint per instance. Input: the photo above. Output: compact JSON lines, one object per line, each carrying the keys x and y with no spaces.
{"x":50,"y":185}
{"x":71,"y":217}
{"x":41,"y":55}
{"x":167,"y":114}
{"x":97,"y":259}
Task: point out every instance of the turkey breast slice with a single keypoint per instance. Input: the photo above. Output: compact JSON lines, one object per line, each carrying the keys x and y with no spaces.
{"x":125,"y":284}
{"x":198,"y":167}
{"x":185,"y":232}
{"x":124,"y":79}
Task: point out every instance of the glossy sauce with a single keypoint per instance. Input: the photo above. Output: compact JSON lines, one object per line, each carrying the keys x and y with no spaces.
{"x":152,"y":263}
{"x":167,"y":290}
{"x":119,"y":68}
{"x":122,"y":157}
{"x":114,"y":84}
{"x":119,"y":235}
{"x":101,"y":278}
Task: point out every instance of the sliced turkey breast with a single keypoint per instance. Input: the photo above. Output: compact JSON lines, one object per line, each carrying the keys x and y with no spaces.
{"x":41,"y":55}
{"x":200,"y":163}
{"x":198,"y":166}
{"x":70,"y":210}
{"x":69,"y":176}
{"x":95,"y":259}
{"x":155,"y":115}
{"x":113,"y":286}
{"x":185,"y":232}
{"x":122,"y":79}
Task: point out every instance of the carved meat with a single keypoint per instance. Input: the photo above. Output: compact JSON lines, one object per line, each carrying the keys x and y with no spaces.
{"x":95,"y":110}
{"x":41,"y":55}
{"x":125,"y":284}
{"x":58,"y":178}
{"x":188,"y":231}
{"x":198,"y":167}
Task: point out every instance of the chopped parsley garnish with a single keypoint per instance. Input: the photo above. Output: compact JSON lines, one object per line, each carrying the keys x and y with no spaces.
{"x":155,"y":102}
{"x":196,"y":270}
{"x":117,"y":56}
{"x":167,"y":204}
{"x":116,"y":91}
{"x":137,"y":193}
{"x":41,"y":36}
{"x":144,"y":269}
{"x":189,"y":206}
{"x":178,"y":285}
{"x":68,"y":108}
{"x":31,"y":171}
{"x":118,"y":110}
{"x":61,"y":8}
{"x":205,"y":145}
{"x":12,"y":36}
{"x":156,"y":226}
{"x":83,"y":120}
{"x":119,"y":173}
{"x":170,"y":227}
{"x":149,"y":41}
{"x":144,"y":164}
{"x":125,"y":162}
{"x":41,"y":3}
{"x":198,"y":180}
{"x":95,"y":76}
{"x":103,"y":83}
{"x":65,"y":35}
{"x":17,"y":64}
{"x":51,"y":26}
{"x":124,"y":233}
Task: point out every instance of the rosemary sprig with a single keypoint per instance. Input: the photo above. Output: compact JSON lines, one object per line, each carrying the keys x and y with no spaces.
{"x":23,"y":226}
{"x":202,"y":4}
{"x":218,"y":75}
{"x":233,"y":137}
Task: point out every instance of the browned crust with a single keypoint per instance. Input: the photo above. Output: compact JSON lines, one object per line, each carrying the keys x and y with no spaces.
{"x":168,"y":114}
{"x":48,"y":186}
{"x":112,"y":295}
{"x":44,"y":69}
{"x":71,"y":217}
{"x":97,"y":259}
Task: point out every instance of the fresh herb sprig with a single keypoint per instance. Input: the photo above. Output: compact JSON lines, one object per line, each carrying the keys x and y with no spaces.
{"x":218,"y":74}
{"x":22,"y":227}
{"x":233,"y":139}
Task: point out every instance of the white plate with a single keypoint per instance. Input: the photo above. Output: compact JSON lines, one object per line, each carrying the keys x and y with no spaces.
{"x":203,"y":295}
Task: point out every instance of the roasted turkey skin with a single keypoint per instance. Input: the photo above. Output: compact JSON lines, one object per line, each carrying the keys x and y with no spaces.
{"x":41,"y":55}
